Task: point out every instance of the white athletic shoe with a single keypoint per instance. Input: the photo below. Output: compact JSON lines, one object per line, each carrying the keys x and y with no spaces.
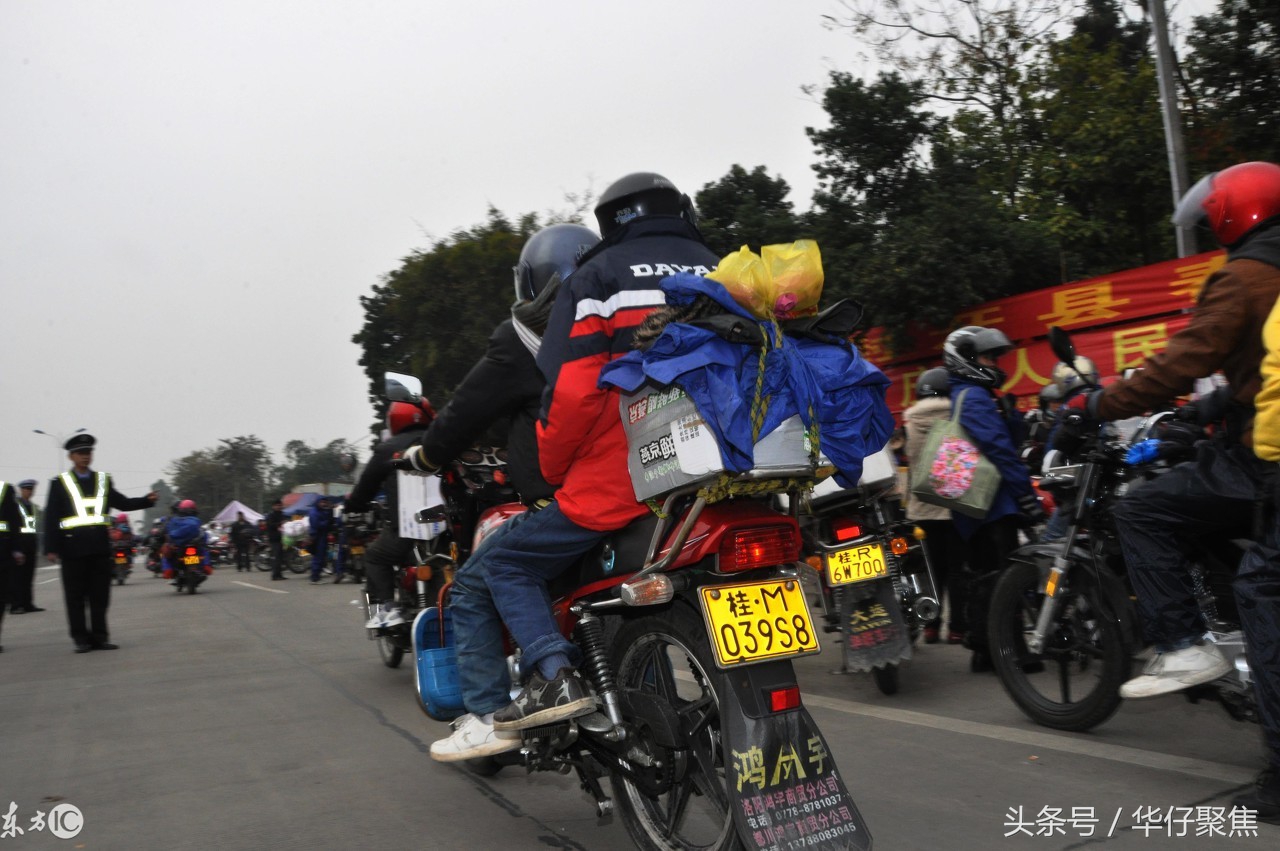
{"x":383,"y":615}
{"x":1170,"y":672}
{"x":472,"y":738}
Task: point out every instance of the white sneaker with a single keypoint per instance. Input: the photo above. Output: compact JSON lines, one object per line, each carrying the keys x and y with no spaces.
{"x":472,"y":738}
{"x":375,"y":616}
{"x":391,"y":615}
{"x":1170,"y":672}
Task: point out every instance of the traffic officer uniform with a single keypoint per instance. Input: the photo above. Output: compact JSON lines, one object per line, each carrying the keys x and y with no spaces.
{"x":21,"y":576}
{"x":76,"y":526}
{"x":10,"y":525}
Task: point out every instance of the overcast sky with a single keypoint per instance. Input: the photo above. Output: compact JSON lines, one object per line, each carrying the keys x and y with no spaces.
{"x":193,"y":195}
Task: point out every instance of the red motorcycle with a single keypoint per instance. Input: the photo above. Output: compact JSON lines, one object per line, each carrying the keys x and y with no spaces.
{"x":689,"y":622}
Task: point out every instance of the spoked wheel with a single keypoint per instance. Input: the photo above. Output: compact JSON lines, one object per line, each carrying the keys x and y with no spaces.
{"x":886,"y":678}
{"x":1074,"y":683}
{"x":666,"y":655}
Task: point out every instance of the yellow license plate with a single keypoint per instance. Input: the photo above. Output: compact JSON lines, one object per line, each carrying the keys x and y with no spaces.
{"x":755,"y":621}
{"x":859,"y":563}
{"x":121,"y":560}
{"x":357,"y":551}
{"x":191,"y":559}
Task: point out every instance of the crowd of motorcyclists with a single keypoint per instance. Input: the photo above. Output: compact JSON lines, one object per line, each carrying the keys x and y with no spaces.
{"x":579,"y":300}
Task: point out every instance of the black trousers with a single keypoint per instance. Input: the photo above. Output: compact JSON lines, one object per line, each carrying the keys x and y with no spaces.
{"x":1160,"y":522}
{"x":387,"y":551}
{"x":242,"y":558}
{"x":277,"y":557}
{"x":22,"y":578}
{"x":947,"y":558}
{"x":86,"y":581}
{"x":989,"y":550}
{"x":1257,"y":590}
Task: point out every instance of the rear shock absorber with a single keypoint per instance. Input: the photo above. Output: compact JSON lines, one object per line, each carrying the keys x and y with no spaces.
{"x":589,"y":632}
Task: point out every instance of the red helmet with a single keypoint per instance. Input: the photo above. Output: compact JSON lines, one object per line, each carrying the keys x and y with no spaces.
{"x":187,"y":506}
{"x":1233,"y":201}
{"x":401,"y":415}
{"x":122,"y":518}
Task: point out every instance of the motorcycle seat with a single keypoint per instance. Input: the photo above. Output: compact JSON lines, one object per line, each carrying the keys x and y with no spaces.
{"x":623,"y":550}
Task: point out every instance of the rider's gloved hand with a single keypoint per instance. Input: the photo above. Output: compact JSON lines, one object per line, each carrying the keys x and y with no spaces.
{"x":414,"y":459}
{"x":1030,"y":509}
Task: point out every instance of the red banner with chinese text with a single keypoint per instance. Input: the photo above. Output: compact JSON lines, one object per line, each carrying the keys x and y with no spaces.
{"x":1118,"y":320}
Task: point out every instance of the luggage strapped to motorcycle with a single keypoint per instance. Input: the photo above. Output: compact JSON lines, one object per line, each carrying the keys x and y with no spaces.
{"x":726,"y":485}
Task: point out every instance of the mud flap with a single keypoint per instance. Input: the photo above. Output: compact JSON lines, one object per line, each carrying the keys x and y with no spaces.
{"x":874,"y":632}
{"x":783,"y":785}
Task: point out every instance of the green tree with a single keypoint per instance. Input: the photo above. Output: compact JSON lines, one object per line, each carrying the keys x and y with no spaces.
{"x":432,"y":316}
{"x":1230,"y":85}
{"x":305,"y":464}
{"x":746,"y":208}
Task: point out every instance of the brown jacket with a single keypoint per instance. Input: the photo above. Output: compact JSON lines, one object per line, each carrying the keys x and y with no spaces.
{"x":1225,"y":333}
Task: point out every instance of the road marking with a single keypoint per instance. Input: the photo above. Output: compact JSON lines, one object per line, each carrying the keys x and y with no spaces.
{"x":47,"y":581}
{"x":1099,"y":750}
{"x":259,"y":587}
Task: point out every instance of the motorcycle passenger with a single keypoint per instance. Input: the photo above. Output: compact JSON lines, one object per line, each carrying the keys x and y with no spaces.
{"x":649,"y":231}
{"x":405,"y":422}
{"x":1214,"y":494}
{"x":184,"y":530}
{"x":504,"y":388}
{"x":946,"y":548}
{"x":970,"y":355}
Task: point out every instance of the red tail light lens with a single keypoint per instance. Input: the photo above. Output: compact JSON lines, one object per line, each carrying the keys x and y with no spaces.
{"x":846,"y":530}
{"x":190,"y":551}
{"x":747,"y":549}
{"x":783,"y":699}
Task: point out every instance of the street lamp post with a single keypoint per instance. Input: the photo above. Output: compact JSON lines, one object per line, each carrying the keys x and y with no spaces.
{"x":59,"y":440}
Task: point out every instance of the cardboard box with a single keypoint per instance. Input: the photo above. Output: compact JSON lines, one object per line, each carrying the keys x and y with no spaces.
{"x":669,"y":444}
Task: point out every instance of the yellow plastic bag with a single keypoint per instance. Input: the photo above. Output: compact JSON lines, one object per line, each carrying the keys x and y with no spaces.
{"x":784,"y":283}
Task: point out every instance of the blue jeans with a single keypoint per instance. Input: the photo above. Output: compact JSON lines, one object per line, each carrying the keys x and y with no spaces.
{"x":505,"y":580}
{"x":319,"y":554}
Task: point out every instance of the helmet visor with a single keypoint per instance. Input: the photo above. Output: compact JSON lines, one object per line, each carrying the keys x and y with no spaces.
{"x":1190,"y":210}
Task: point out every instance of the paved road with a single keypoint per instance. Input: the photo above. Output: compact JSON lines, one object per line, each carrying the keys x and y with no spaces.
{"x":255,"y":714}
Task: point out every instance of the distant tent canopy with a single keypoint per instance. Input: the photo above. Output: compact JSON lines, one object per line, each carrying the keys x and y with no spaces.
{"x":228,"y":514}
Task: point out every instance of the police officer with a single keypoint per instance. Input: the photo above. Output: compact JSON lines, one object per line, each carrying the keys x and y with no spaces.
{"x":75,"y":535}
{"x":10,"y":555}
{"x":22,"y":575}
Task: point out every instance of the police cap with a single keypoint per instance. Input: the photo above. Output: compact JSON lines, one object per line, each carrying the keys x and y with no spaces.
{"x":27,"y":483}
{"x":79,"y":441}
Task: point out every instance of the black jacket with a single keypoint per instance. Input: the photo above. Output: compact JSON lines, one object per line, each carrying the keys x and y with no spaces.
{"x":10,"y":540}
{"x":274,"y":519}
{"x":379,"y":473}
{"x":504,"y":388}
{"x":85,"y":540}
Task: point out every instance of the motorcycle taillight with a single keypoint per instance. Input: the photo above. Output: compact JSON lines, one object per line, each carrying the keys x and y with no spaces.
{"x":846,"y":529}
{"x":190,"y":551}
{"x":747,"y":549}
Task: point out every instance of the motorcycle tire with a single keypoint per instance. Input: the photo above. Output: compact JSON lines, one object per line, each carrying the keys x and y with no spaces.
{"x":1074,"y":683}
{"x":263,"y":561}
{"x":886,"y":679}
{"x":391,"y":651}
{"x":483,"y":766}
{"x":667,"y":655}
{"x":296,"y":563}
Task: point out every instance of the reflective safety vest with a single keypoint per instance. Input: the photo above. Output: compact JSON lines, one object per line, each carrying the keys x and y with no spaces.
{"x":28,"y":519}
{"x":90,"y":510}
{"x":4,"y":524}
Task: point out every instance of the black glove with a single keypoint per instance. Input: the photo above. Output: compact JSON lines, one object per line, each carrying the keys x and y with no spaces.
{"x":1009,"y":404}
{"x":1029,"y":508}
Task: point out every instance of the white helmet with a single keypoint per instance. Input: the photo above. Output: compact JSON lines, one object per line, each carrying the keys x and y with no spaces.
{"x":1068,"y":379}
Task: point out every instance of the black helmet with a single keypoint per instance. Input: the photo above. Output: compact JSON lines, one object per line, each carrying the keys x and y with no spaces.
{"x":933,"y":382}
{"x":962,"y":348}
{"x":641,"y":194}
{"x":554,"y":250}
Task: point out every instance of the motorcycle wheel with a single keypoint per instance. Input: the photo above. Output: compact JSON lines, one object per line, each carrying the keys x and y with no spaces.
{"x":886,"y":679}
{"x":483,"y":766}
{"x":263,"y":561}
{"x":391,"y":651}
{"x":1074,"y":683}
{"x":666,"y":654}
{"x":295,"y":563}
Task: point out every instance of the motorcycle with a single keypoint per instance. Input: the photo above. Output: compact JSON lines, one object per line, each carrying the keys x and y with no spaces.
{"x":188,"y":568}
{"x":689,"y":622}
{"x":1061,"y":628}
{"x":877,"y":584}
{"x":122,"y":562}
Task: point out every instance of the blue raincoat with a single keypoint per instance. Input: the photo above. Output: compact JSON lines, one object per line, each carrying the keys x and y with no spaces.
{"x":826,"y":383}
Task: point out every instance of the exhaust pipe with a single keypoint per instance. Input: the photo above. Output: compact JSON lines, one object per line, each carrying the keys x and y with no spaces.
{"x":926,"y":608}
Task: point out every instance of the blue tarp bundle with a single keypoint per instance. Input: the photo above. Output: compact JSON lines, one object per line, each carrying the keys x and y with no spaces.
{"x":829,"y":382}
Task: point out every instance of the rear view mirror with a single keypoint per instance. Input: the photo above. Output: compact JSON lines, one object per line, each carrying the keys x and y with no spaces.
{"x":402,"y":388}
{"x":1060,"y":342}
